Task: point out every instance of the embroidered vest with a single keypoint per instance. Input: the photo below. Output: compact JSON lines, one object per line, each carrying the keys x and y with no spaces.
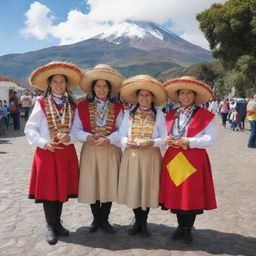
{"x":87,"y":114}
{"x":63,"y":128}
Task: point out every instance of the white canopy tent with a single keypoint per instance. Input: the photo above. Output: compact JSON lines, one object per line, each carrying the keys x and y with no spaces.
{"x":7,"y":86}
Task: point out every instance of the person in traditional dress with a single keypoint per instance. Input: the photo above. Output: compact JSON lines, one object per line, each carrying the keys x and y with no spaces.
{"x":186,"y":182}
{"x":142,"y":135}
{"x":96,"y":124}
{"x":55,"y":170}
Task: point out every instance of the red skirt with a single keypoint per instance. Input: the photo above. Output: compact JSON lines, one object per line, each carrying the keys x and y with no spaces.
{"x":55,"y":175}
{"x":193,"y":190}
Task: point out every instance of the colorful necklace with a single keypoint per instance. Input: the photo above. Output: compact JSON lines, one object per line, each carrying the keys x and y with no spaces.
{"x":188,"y":113}
{"x":58,"y":121}
{"x":143,"y":123}
{"x":102,"y":112}
{"x":102,"y":130}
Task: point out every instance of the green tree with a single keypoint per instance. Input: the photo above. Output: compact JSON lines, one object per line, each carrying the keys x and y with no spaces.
{"x":230,"y":29}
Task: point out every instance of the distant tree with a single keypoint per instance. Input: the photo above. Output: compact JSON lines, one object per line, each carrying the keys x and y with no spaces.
{"x":230,"y":29}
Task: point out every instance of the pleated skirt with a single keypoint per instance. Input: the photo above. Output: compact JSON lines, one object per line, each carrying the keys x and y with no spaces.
{"x":139,"y":178}
{"x":99,"y":168}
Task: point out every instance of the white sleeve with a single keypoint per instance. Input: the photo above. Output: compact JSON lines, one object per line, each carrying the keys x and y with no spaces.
{"x":162,"y":130}
{"x":77,"y":130}
{"x":205,"y":138}
{"x":32,"y":128}
{"x":114,"y":136}
{"x":123,"y":129}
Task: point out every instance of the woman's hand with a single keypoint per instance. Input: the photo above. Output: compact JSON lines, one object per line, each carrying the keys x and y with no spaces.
{"x":180,"y":143}
{"x":147,"y":144}
{"x":52,"y":146}
{"x":91,"y":139}
{"x":63,"y":138}
{"x":183,"y":143}
{"x":102,"y":141}
{"x":172,"y":142}
{"x":131,"y":144}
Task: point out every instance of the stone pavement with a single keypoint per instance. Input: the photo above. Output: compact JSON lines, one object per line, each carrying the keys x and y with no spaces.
{"x":229,"y":230}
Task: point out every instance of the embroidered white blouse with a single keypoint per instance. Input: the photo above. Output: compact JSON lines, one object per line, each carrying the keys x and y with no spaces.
{"x":159,"y":131}
{"x":203,"y":139}
{"x":36,"y":129}
{"x":78,"y":132}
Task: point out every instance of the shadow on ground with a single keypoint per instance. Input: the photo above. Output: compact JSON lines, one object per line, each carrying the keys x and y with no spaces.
{"x":3,"y":141}
{"x":210,"y":241}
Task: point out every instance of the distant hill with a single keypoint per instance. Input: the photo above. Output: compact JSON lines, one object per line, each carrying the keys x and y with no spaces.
{"x":132,"y":47}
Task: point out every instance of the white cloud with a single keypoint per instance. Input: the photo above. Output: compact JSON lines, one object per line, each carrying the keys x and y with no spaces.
{"x":80,"y":26}
{"x":38,"y":22}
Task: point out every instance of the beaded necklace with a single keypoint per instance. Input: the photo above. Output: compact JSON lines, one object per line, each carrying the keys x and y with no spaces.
{"x":58,"y":121}
{"x":102,"y":111}
{"x":188,"y":113}
{"x":143,"y":123}
{"x":101,"y":130}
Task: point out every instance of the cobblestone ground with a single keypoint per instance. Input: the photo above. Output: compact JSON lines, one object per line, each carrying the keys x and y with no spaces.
{"x":229,"y":230}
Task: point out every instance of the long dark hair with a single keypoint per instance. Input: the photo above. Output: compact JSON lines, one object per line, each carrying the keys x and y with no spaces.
{"x":93,"y":92}
{"x":49,"y":89}
{"x":132,"y":113}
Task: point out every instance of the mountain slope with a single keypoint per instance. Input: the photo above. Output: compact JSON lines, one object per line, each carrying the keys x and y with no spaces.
{"x":154,"y":39}
{"x":132,"y":47}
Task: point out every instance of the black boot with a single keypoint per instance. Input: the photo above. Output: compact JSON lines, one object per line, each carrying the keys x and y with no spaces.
{"x":188,"y":224}
{"x":187,"y":237}
{"x":104,"y":213}
{"x":179,"y":231}
{"x":136,"y":226}
{"x":50,"y":211}
{"x":61,"y":231}
{"x":144,"y":228}
{"x":95,"y":208}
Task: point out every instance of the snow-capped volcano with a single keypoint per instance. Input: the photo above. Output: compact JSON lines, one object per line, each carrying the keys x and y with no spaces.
{"x":133,"y":47}
{"x":134,"y":30}
{"x":148,"y":36}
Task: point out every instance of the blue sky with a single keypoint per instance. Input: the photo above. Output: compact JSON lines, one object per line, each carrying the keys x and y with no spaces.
{"x":27,"y":25}
{"x":12,"y":20}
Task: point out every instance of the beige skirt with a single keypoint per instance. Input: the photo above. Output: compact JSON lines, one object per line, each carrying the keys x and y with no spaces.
{"x":139,"y":178}
{"x":99,"y":167}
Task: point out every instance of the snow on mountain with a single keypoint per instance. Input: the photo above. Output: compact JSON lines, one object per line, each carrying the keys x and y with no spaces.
{"x":129,"y":30}
{"x":149,"y":36}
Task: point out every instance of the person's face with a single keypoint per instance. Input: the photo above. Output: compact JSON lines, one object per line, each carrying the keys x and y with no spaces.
{"x":186,"y":97}
{"x":58,"y":84}
{"x":145,"y":98}
{"x":101,"y":89}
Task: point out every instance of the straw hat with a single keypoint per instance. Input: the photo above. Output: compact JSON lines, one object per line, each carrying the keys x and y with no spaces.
{"x":38,"y":77}
{"x":203,"y":91}
{"x":142,"y":82}
{"x":101,"y":72}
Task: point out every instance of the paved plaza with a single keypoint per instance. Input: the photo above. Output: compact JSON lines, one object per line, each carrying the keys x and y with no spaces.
{"x":228,"y":230}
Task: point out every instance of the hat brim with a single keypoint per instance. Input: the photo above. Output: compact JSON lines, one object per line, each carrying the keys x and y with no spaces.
{"x":203,"y":91}
{"x":39,"y":77}
{"x":128,"y":91}
{"x":108,"y":74}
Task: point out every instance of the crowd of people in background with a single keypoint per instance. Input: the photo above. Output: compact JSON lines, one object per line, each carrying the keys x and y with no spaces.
{"x":233,"y":112}
{"x":16,"y":108}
